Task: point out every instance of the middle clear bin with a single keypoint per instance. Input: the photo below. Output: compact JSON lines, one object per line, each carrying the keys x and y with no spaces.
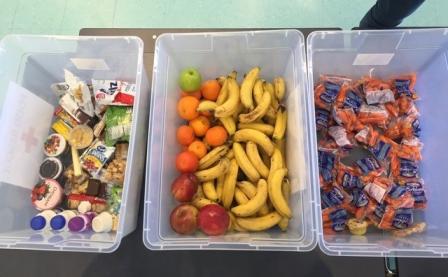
{"x":278,"y":53}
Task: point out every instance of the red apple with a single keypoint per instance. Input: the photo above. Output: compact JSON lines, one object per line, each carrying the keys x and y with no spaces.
{"x":183,"y":219}
{"x":184,"y":187}
{"x":213,"y":220}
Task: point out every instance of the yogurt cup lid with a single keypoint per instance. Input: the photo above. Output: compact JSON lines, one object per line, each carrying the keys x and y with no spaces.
{"x":54,"y":145}
{"x":47,"y":194}
{"x":57,"y":222}
{"x":51,"y":168}
{"x":38,"y":223}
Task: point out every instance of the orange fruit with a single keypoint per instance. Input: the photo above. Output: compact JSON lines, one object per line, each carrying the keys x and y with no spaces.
{"x":198,"y":148}
{"x":216,"y":136}
{"x":210,"y":89}
{"x":186,"y":107}
{"x":200,"y":125}
{"x":196,"y":94}
{"x":187,"y":162}
{"x":185,"y":135}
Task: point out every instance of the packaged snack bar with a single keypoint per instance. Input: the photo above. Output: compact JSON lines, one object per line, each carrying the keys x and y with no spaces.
{"x":347,"y":118}
{"x":369,"y":165}
{"x":334,"y":214}
{"x":325,"y":94}
{"x":404,"y":168}
{"x":69,"y":104}
{"x":368,"y":135}
{"x":327,"y":162}
{"x":358,"y":198}
{"x":406,"y":106}
{"x":392,"y":108}
{"x":376,"y":115}
{"x":415,"y":187}
{"x":378,"y":92}
{"x":113,"y":92}
{"x":378,"y":188}
{"x":60,"y":113}
{"x":98,"y":204}
{"x":322,"y":119}
{"x":80,"y":93}
{"x":399,"y":197}
{"x":349,"y":97}
{"x":347,"y":177}
{"x":331,"y":228}
{"x":396,"y":218}
{"x":339,"y":134}
{"x":404,"y":85}
{"x":118,"y":124}
{"x":96,"y":156}
{"x":410,"y":127}
{"x":382,"y":148}
{"x":375,"y":212}
{"x":331,"y":197}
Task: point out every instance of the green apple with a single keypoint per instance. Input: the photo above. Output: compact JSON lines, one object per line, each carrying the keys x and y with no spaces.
{"x":190,"y":79}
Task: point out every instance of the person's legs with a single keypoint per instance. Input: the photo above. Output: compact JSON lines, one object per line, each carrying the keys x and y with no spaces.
{"x":387,"y":14}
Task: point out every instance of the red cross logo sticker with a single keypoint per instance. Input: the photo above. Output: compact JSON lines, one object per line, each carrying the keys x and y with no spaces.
{"x":29,"y":139}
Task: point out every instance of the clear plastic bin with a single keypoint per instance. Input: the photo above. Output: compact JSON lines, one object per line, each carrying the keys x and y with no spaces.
{"x":34,"y":63}
{"x":278,"y":53}
{"x":384,"y":54}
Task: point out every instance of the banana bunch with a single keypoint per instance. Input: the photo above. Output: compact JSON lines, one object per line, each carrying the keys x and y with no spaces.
{"x":248,"y":176}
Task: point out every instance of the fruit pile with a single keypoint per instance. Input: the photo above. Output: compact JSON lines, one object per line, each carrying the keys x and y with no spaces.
{"x":233,"y":174}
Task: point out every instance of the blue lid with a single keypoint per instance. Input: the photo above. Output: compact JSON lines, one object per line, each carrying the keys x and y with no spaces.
{"x":57,"y":222}
{"x":38,"y":222}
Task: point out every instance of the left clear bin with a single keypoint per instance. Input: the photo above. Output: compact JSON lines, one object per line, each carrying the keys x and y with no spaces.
{"x":99,"y":78}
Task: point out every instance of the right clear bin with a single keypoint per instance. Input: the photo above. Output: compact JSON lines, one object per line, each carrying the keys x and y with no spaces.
{"x":384,"y":54}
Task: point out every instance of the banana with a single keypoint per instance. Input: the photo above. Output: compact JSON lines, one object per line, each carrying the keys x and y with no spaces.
{"x":264,"y":128}
{"x":235,"y":226}
{"x":259,"y":223}
{"x":199,"y":193}
{"x":201,"y":202}
{"x":239,"y":109}
{"x":219,"y":186}
{"x":266,"y":159}
{"x":275,"y":193}
{"x":227,"y":108}
{"x":253,"y":205}
{"x":229,"y":124}
{"x":270,"y":88}
{"x":258,"y":90}
{"x":270,"y":116}
{"x":209,"y":190}
{"x":247,"y":188}
{"x":247,"y":87}
{"x":230,"y":155}
{"x":244,"y":163}
{"x":223,"y":93}
{"x":256,"y":136}
{"x":279,"y":88}
{"x":264,"y":210}
{"x":286,"y":191}
{"x":250,"y":191}
{"x":213,"y":156}
{"x":228,"y":190}
{"x":222,"y":79}
{"x":259,"y":111}
{"x":206,"y":105}
{"x":213,"y":172}
{"x":240,"y":197}
{"x":280,"y":125}
{"x":281,"y":145}
{"x":276,"y":163}
{"x":231,"y":222}
{"x":233,"y":74}
{"x":255,"y":159}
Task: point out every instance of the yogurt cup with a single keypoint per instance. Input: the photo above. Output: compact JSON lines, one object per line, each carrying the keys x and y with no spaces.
{"x":55,"y":145}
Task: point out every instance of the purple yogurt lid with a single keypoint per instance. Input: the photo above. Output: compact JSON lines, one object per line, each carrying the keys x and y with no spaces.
{"x":78,"y":223}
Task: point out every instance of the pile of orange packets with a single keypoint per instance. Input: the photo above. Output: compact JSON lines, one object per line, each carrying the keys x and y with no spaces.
{"x":376,"y":121}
